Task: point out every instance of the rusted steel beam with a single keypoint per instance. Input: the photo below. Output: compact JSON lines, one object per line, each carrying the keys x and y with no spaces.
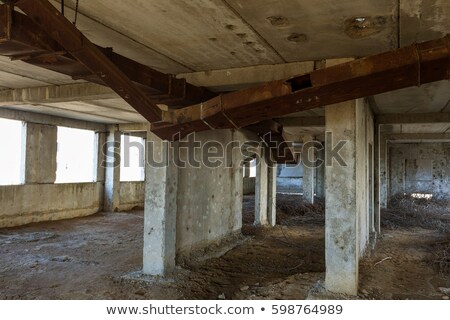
{"x":272,"y":134}
{"x":410,"y":66}
{"x":46,"y":16}
{"x":28,"y":42}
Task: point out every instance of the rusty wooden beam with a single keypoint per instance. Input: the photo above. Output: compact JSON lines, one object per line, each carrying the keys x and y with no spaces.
{"x":410,"y":66}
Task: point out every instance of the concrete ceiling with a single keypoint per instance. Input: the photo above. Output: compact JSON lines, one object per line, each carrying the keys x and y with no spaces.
{"x":270,"y":39}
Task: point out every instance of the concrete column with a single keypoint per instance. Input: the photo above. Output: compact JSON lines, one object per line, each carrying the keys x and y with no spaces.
{"x":377,"y":182}
{"x":343,"y":197}
{"x":384,"y":171}
{"x":261,"y":190}
{"x":40,"y":153}
{"x":320,"y":171}
{"x":112,"y":170}
{"x":272,"y":194}
{"x":308,"y":158}
{"x":160,"y":212}
{"x":101,"y":152}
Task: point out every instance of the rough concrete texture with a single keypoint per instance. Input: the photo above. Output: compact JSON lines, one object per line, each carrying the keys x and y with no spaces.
{"x":272,"y":195}
{"x":23,"y":204}
{"x":131,"y":195}
{"x":289,"y":178}
{"x":261,"y":190}
{"x":420,"y":168}
{"x":308,"y":171}
{"x":160,"y":214}
{"x":40,"y":153}
{"x":112,"y":171}
{"x":209,"y":199}
{"x":320,"y":175}
{"x":346,"y":196}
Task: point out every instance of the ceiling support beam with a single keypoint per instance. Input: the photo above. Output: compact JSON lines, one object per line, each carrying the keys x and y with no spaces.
{"x":406,"y":67}
{"x":24,"y":38}
{"x":47,"y":17}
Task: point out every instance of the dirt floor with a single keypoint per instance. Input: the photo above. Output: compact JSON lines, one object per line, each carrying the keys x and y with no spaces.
{"x":87,"y":258}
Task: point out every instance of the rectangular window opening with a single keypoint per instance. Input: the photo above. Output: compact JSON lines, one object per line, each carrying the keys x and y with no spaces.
{"x":132,"y":158}
{"x":12,"y":152}
{"x":76,"y":157}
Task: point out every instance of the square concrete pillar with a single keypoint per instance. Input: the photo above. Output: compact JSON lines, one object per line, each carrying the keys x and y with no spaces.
{"x":308,"y":161}
{"x":344,"y":194}
{"x":40,"y":153}
{"x":272,"y":194}
{"x":320,"y":172}
{"x":261,"y":189}
{"x":160,"y":212}
{"x":101,"y":152}
{"x":112,"y":171}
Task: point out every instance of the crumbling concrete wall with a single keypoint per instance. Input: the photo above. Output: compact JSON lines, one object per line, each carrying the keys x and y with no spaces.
{"x":419,"y":168}
{"x":131,"y":195}
{"x":289,"y":178}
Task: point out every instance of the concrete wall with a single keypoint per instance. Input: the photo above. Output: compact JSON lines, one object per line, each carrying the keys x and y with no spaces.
{"x":209,"y":202}
{"x":131,"y":195}
{"x":289,"y":178}
{"x":23,"y":204}
{"x":419,"y":168}
{"x":249,"y":185}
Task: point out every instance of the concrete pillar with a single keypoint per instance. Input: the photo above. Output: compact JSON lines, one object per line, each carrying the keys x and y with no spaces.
{"x":308,"y":158}
{"x":272,"y":194}
{"x":160,"y":212}
{"x":384,"y":171}
{"x":261,"y":190}
{"x":377,"y":182}
{"x":343,"y":195}
{"x":112,"y":170}
{"x":320,"y":171}
{"x":101,"y":152}
{"x":40,"y":153}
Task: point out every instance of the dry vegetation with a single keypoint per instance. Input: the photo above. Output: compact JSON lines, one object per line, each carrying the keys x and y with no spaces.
{"x":297,"y":211}
{"x":433,"y":214}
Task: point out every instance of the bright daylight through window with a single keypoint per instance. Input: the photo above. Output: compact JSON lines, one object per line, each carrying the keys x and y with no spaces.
{"x":132,"y":155}
{"x":76,"y":158}
{"x":11,"y":152}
